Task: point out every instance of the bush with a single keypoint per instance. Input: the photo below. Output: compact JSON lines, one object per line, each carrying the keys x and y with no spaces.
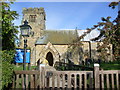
{"x":7,"y":68}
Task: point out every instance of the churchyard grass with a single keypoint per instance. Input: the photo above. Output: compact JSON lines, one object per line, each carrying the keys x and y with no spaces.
{"x":20,"y":67}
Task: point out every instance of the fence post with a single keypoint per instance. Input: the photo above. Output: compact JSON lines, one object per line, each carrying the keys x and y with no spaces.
{"x":96,"y":76}
{"x":42,"y":77}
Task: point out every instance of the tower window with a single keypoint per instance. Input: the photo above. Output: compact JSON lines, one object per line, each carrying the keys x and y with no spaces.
{"x":32,"y":18}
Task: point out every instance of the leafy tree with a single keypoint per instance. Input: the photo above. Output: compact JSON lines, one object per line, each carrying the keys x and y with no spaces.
{"x":8,"y":35}
{"x":9,"y":30}
{"x":109,"y":34}
{"x":7,"y":68}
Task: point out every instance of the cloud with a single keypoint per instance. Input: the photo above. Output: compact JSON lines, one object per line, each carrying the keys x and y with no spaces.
{"x":89,"y":36}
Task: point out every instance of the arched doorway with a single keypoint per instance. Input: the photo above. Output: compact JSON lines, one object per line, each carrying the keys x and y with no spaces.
{"x":49,"y":57}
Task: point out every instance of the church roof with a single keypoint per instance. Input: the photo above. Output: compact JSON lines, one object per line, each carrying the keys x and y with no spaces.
{"x":57,"y":37}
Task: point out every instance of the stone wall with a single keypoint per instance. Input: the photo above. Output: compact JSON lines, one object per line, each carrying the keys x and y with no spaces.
{"x":59,"y":52}
{"x":38,"y":52}
{"x":56,"y":50}
{"x":38,"y":27}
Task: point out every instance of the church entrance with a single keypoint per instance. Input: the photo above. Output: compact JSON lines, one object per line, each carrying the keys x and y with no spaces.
{"x":49,"y":57}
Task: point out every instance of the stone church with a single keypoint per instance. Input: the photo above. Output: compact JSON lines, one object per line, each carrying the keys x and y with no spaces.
{"x":50,"y":44}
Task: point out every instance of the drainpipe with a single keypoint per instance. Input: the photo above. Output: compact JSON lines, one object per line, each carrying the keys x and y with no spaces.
{"x":89,"y":49}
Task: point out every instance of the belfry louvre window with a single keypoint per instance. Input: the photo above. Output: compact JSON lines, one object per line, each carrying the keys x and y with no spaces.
{"x":32,"y":18}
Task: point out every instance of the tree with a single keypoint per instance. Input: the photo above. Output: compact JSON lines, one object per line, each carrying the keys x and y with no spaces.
{"x":9,"y":30}
{"x":109,"y":34}
{"x":8,"y":35}
{"x":7,"y":68}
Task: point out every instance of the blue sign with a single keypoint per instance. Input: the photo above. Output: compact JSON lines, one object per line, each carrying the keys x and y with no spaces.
{"x":19,"y":56}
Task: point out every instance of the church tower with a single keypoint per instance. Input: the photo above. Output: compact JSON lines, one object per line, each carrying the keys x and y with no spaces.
{"x":36,"y":18}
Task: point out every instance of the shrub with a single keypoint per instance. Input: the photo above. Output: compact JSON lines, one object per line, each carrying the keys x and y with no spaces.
{"x":7,"y":68}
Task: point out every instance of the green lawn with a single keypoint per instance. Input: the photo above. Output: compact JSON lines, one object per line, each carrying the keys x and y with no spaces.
{"x":109,"y":66}
{"x":20,"y":67}
{"x":105,"y":66}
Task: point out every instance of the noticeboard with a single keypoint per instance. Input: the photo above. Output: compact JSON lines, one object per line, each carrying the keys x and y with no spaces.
{"x":19,"y":56}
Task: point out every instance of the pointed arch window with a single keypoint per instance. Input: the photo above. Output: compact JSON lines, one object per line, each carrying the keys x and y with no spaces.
{"x":49,"y":57}
{"x":32,"y":18}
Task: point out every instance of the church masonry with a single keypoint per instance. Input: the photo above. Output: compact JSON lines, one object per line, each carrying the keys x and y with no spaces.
{"x":48,"y":43}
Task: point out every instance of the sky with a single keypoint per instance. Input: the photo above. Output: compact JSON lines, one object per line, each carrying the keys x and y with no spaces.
{"x":69,"y":15}
{"x":65,"y":0}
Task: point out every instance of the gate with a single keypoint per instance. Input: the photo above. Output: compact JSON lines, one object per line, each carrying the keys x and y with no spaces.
{"x":69,"y":79}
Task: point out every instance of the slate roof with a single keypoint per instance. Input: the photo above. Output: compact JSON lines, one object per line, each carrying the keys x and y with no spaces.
{"x":57,"y":37}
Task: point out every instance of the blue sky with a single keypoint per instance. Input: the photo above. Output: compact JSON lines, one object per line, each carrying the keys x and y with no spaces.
{"x":69,"y":15}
